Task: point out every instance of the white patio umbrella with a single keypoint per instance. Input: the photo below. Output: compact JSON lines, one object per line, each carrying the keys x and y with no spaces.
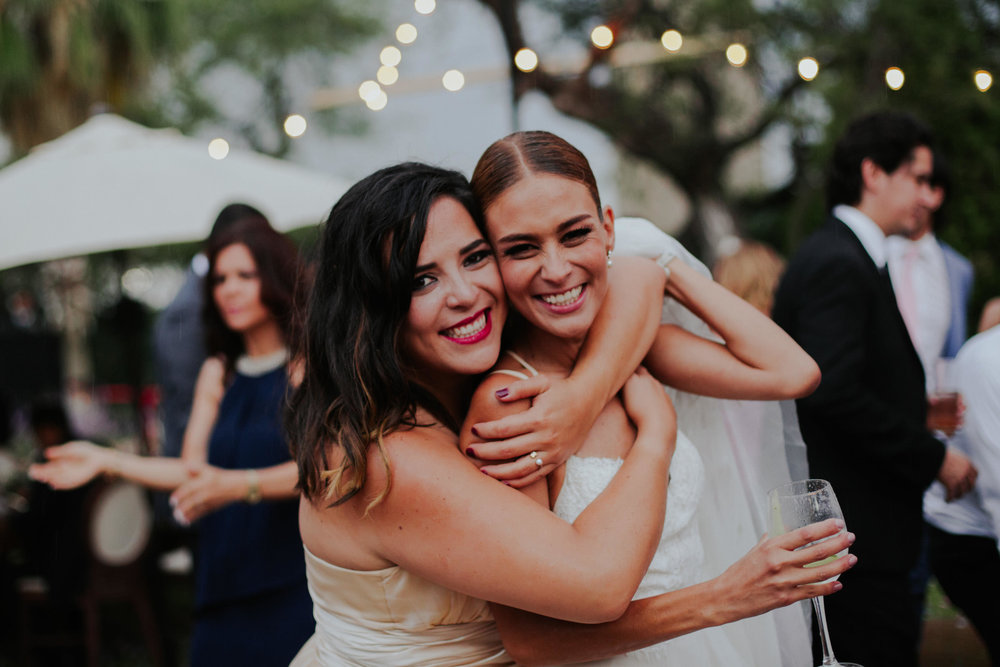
{"x":112,"y":183}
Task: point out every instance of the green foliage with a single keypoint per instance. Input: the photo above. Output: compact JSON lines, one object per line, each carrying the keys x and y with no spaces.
{"x":690,"y":113}
{"x":265,"y":40}
{"x":60,"y":58}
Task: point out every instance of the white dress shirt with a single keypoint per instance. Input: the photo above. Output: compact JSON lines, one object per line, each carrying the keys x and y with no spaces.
{"x":929,"y":326}
{"x":978,"y":378}
{"x":870,"y":234}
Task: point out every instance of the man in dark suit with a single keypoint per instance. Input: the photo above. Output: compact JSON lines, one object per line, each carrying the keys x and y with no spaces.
{"x":865,"y":425}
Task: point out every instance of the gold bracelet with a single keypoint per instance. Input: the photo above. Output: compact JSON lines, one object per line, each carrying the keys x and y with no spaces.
{"x":114,"y":470}
{"x":253,"y":487}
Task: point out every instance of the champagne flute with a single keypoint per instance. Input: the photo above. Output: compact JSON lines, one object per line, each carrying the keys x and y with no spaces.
{"x":942,"y":405}
{"x":798,"y":504}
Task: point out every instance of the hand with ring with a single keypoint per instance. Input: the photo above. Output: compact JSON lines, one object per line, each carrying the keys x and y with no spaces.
{"x":534,"y":456}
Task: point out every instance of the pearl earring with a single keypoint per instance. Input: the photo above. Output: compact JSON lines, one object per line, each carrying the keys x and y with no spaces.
{"x":609,"y":259}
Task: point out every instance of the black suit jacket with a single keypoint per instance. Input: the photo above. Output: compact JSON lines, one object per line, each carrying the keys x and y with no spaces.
{"x":864,"y":426}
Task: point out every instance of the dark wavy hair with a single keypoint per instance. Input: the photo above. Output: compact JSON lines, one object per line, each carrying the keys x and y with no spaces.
{"x":887,"y":138}
{"x":282,"y":280}
{"x":357,"y":388}
{"x":507,"y":161}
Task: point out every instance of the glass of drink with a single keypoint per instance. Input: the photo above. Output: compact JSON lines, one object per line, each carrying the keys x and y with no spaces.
{"x":942,"y":405}
{"x":798,"y":504}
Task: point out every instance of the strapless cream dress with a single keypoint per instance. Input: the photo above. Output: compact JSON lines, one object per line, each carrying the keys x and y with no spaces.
{"x":394,"y":618}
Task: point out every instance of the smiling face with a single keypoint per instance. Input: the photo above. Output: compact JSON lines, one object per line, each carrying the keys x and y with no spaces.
{"x":458,"y":309}
{"x":236,"y":289}
{"x":552,"y":248}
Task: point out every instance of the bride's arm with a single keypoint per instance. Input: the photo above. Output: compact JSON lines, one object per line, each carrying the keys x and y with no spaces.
{"x":757,"y":359}
{"x":771,"y":575}
{"x":562,"y":411}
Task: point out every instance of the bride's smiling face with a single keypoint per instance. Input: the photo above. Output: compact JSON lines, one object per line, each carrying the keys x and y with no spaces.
{"x":552,"y":247}
{"x":458,"y":309}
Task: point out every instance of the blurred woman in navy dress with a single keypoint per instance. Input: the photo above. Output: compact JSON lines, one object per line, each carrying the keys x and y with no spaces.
{"x":234,"y":475}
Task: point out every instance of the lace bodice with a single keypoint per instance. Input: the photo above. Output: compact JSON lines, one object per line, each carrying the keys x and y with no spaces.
{"x":679,"y":556}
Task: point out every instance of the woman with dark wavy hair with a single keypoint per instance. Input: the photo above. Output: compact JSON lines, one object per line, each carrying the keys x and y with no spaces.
{"x":405,"y":539}
{"x":252,"y":603}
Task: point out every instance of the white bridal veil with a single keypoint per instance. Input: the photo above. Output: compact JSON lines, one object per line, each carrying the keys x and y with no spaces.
{"x":748,"y":448}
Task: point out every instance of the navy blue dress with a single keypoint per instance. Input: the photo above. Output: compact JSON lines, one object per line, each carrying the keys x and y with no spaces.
{"x":252,"y":602}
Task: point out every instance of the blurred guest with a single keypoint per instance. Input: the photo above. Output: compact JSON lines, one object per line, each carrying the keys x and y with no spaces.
{"x":752,"y":273}
{"x":991,"y":314}
{"x":51,"y":530}
{"x":865,"y":425}
{"x":921,"y":264}
{"x":253,"y":606}
{"x":963,"y":533}
{"x":179,"y":338}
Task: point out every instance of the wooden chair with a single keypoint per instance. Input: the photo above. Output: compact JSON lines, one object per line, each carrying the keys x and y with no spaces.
{"x":118,"y":526}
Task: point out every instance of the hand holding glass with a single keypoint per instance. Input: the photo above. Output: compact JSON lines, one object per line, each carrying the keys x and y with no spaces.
{"x":942,"y":405}
{"x":799,"y":504}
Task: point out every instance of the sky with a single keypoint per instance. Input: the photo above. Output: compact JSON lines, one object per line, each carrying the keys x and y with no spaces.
{"x":449,"y":129}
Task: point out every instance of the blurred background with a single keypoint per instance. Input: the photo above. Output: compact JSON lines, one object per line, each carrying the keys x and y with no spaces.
{"x":126,"y":125}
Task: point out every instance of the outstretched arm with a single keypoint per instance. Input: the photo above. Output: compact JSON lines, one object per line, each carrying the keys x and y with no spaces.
{"x":771,"y":575}
{"x":563,"y":411}
{"x":74,"y":464}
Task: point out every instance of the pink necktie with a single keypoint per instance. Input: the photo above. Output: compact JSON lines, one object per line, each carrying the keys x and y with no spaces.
{"x":907,"y":294}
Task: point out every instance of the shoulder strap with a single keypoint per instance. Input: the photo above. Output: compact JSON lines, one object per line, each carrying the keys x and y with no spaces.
{"x":519,"y":359}
{"x":517,"y":374}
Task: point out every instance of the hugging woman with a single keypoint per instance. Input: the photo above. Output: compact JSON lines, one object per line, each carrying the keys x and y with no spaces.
{"x":406,"y":540}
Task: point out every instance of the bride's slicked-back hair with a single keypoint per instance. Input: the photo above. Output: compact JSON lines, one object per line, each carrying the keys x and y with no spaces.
{"x":517,"y":155}
{"x":356,"y":387}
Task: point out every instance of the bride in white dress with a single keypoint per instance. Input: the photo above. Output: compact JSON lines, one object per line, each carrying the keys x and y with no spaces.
{"x":553,"y":244}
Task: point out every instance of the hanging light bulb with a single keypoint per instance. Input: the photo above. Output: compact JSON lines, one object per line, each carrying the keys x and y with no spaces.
{"x":453,"y":80}
{"x":983,"y":79}
{"x":736,"y":54}
{"x":894,"y":78}
{"x":602,"y":37}
{"x":808,"y":68}
{"x":526,"y":60}
{"x":672,"y":41}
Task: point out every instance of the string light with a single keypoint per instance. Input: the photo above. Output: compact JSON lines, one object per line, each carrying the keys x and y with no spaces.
{"x":218,"y":148}
{"x":453,"y":80}
{"x":894,"y":78}
{"x":377,"y":101}
{"x":369,"y":90}
{"x":672,"y":41}
{"x":390,"y":56}
{"x":808,"y":68}
{"x":526,"y":60}
{"x":736,"y":54}
{"x":602,"y":37}
{"x":424,"y":6}
{"x":295,"y":125}
{"x":406,"y":33}
{"x":387,"y":75}
{"x":983,"y":79}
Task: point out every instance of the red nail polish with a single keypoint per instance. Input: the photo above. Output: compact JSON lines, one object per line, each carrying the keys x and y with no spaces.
{"x":475,"y":432}
{"x":502,"y":393}
{"x":469,"y":452}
